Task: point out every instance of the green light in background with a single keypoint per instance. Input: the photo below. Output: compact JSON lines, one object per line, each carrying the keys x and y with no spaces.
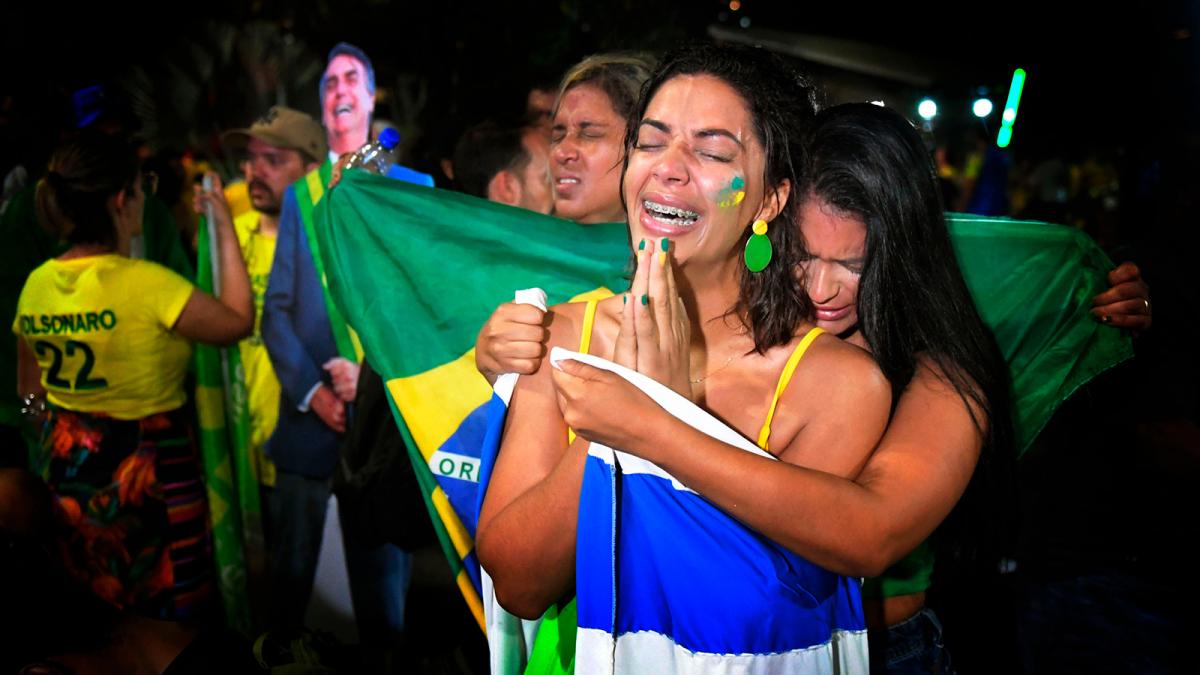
{"x":1014,"y":91}
{"x":1004,"y":137}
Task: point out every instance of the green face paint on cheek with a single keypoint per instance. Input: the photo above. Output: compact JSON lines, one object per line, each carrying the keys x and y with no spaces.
{"x":732,"y":195}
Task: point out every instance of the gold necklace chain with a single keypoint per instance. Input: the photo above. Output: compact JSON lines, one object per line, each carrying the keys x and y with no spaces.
{"x":710,"y":374}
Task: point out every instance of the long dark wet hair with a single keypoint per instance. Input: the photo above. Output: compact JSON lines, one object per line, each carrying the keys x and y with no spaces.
{"x":869,"y":162}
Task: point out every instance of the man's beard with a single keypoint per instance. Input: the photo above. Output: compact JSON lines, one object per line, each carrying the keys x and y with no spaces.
{"x":273,"y":205}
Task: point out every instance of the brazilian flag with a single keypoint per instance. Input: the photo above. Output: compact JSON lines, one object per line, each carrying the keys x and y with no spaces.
{"x":416,"y":272}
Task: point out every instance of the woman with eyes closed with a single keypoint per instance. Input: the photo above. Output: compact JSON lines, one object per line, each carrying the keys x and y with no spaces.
{"x":880,"y":270}
{"x":588,"y":126}
{"x":595,"y":99}
{"x":708,"y":166}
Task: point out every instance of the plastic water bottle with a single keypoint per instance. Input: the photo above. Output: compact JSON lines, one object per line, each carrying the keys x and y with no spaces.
{"x":379,"y":155}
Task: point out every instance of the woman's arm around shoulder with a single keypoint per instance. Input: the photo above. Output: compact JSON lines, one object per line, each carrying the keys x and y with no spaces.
{"x":862,"y":522}
{"x":922,"y":465}
{"x":856,"y":525}
{"x":774,"y":497}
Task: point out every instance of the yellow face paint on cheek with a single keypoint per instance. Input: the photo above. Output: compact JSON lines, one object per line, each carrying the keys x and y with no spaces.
{"x":732,"y":195}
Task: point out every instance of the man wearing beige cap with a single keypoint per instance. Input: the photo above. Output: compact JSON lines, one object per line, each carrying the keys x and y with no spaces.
{"x":279,"y":148}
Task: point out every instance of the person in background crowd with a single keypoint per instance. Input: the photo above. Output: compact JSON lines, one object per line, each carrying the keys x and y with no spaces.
{"x":539,"y":104}
{"x":595,"y":98}
{"x":55,"y":625}
{"x":279,"y":149}
{"x":27,"y":244}
{"x":506,"y":165}
{"x":105,"y":345}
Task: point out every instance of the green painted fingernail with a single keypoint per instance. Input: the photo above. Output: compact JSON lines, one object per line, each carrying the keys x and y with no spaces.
{"x":625,"y":299}
{"x":642,"y":246}
{"x":645,"y":299}
{"x":666,"y":244}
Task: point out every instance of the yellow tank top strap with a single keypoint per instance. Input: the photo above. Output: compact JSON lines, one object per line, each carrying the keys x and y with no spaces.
{"x":784,"y":378}
{"x":585,"y":343}
{"x":589,"y":318}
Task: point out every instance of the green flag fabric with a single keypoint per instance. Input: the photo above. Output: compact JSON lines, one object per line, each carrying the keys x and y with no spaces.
{"x":233,"y":499}
{"x":1033,"y":284}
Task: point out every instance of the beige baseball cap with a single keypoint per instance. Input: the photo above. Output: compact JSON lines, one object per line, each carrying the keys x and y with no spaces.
{"x":284,"y":128}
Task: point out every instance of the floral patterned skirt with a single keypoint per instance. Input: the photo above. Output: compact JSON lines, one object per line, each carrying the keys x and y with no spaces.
{"x":132,"y":505}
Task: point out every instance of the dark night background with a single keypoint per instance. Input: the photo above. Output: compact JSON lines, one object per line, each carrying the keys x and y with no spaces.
{"x":1120,"y":83}
{"x":1119,"y":76}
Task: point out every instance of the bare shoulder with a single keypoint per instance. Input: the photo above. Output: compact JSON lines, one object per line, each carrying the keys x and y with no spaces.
{"x":839,"y":403}
{"x":845,"y":366}
{"x":946,"y":388}
{"x":934,"y":378}
{"x":841,"y":383}
{"x":567,"y":324}
{"x":934,"y":431}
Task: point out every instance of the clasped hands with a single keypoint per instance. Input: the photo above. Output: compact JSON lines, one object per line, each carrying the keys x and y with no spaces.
{"x":654,"y":339}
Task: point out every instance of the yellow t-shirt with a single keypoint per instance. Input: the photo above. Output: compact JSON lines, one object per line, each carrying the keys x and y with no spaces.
{"x":101,"y":329}
{"x":262,"y":387}
{"x":237,"y":195}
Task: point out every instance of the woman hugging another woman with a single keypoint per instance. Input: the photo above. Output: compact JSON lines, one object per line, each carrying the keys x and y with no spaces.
{"x":717,"y":314}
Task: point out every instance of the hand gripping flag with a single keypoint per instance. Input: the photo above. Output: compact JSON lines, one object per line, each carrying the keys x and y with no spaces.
{"x":418,"y":271}
{"x":229,"y":478}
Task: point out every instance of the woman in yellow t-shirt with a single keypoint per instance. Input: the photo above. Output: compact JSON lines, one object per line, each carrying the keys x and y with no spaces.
{"x":106,"y":343}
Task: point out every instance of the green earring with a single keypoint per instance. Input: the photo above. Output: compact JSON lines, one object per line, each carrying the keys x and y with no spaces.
{"x":758,"y":248}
